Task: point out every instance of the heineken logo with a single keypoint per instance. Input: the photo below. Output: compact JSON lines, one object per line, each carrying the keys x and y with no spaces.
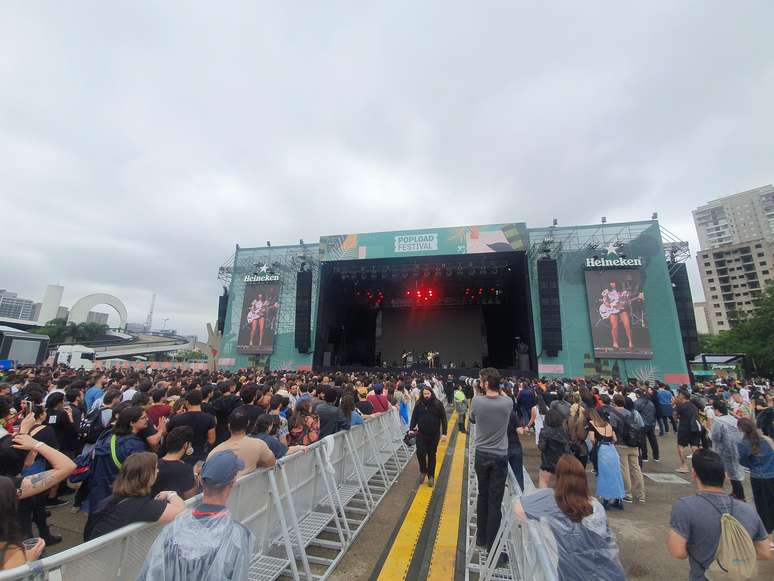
{"x":618,"y":261}
{"x":613,"y":259}
{"x":261,"y":277}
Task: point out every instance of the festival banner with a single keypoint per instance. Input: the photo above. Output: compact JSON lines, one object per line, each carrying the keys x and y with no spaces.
{"x":478,"y":239}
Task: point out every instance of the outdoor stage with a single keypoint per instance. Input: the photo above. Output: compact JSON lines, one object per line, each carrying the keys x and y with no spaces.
{"x":457,"y":372}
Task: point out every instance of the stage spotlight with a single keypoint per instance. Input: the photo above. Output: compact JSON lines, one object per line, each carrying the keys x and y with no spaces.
{"x":654,"y":216}
{"x":301,"y":241}
{"x":556,"y":222}
{"x":604,"y":220}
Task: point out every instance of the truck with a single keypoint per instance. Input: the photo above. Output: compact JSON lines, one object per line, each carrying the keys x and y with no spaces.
{"x":75,"y":356}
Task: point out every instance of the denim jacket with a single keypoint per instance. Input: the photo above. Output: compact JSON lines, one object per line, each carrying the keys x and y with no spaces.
{"x":761,"y":465}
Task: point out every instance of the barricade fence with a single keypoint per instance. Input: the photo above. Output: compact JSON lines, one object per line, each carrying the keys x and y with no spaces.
{"x":528,"y":559}
{"x":304,"y":512}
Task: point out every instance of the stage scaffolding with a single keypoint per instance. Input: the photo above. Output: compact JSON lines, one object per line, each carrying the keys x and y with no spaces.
{"x":550,"y":242}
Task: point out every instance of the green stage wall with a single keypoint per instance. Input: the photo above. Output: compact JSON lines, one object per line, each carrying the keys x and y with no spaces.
{"x":576,"y":359}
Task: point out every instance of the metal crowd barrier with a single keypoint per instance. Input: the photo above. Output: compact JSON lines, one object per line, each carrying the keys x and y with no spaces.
{"x":527,"y":556}
{"x":304,"y":512}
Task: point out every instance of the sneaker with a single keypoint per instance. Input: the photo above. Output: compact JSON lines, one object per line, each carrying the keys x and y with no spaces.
{"x":656,"y":460}
{"x":642,"y":500}
{"x":57,"y":502}
{"x":682,"y":470}
{"x":689,"y":456}
{"x":618,"y":504}
{"x":430,"y":482}
{"x":628,"y":498}
{"x":52,"y":539}
{"x":644,"y":459}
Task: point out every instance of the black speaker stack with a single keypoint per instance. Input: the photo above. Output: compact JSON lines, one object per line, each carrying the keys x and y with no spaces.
{"x":550,"y":315}
{"x":303,"y":310}
{"x":222,"y":307}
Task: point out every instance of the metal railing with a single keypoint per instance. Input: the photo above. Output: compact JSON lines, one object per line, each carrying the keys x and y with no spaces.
{"x":304,"y":513}
{"x":528,"y":559}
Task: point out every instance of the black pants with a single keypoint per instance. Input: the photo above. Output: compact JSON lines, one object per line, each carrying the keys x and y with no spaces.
{"x":33,"y":510}
{"x":491,"y":472}
{"x":449,"y":395}
{"x":664,"y":421}
{"x":737,"y":490}
{"x":649,"y":436}
{"x":427,"y":446}
{"x":516,"y":460}
{"x":462,"y":422}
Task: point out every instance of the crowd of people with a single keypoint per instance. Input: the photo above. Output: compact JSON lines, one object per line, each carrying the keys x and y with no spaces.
{"x":721,"y":429}
{"x":129,"y":446}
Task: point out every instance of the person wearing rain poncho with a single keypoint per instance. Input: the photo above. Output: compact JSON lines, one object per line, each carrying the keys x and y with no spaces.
{"x":572,"y":527}
{"x":205,"y":544}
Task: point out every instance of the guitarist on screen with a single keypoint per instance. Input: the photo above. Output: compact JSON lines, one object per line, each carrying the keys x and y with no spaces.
{"x":615,"y":306}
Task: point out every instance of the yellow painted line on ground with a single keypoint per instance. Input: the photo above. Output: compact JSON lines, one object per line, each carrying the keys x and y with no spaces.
{"x":399,"y":558}
{"x":445,"y":548}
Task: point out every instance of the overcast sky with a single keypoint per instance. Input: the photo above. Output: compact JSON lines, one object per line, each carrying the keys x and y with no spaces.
{"x":139,"y":141}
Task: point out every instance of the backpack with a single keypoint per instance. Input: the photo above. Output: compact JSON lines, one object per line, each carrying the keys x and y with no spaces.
{"x":736,"y":557}
{"x":90,"y":427}
{"x":630,"y":434}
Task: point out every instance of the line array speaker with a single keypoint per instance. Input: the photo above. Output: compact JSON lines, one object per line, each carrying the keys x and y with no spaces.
{"x":303,"y":310}
{"x":222,"y":307}
{"x":550,"y":315}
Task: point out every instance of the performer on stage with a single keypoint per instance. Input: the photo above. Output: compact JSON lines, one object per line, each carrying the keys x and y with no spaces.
{"x":615,"y":307}
{"x":253,"y":316}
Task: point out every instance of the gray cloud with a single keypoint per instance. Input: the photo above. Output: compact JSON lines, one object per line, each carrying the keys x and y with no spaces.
{"x":140,"y":141}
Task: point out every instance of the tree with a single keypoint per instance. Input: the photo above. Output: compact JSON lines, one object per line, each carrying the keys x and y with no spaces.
{"x":60,"y":331}
{"x":753,"y":336}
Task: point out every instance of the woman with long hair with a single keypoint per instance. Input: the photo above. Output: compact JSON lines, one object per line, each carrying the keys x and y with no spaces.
{"x":578,"y":525}
{"x":756,"y":452}
{"x":305,"y":426}
{"x":349,"y":411}
{"x":131,"y":500}
{"x":429,"y":421}
{"x":610,"y":484}
{"x":577,"y":432}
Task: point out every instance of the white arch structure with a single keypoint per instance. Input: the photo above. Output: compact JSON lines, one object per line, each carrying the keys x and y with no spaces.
{"x":81,"y":308}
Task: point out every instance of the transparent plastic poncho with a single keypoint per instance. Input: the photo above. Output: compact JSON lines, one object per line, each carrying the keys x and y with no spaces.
{"x":206,"y":549}
{"x":567,"y":551}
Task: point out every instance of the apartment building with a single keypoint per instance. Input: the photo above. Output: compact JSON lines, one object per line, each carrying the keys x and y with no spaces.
{"x":733,"y":276}
{"x":736,"y":240}
{"x":737,"y":218}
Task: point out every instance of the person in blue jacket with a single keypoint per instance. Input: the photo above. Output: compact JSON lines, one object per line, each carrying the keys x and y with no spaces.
{"x":112,"y":449}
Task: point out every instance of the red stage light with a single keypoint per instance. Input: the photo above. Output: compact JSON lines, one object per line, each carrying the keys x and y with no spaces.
{"x":430,"y":292}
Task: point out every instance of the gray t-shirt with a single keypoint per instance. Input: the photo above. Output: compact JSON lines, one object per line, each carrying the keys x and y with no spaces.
{"x":491,"y":415}
{"x":697,"y":522}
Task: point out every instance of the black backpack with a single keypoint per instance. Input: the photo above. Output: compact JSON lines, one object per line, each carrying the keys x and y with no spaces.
{"x":628,"y":432}
{"x":91,"y":426}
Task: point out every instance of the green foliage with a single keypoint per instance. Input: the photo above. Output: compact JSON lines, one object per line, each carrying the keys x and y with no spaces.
{"x":194,"y":355}
{"x":60,"y":331}
{"x":753,"y":336}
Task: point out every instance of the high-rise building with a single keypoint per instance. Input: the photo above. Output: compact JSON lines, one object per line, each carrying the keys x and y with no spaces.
{"x":736,"y":237}
{"x":13,"y":307}
{"x":62,"y":312}
{"x":737,"y":218}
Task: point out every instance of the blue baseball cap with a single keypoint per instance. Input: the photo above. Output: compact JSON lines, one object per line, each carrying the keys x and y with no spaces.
{"x":221,"y":469}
